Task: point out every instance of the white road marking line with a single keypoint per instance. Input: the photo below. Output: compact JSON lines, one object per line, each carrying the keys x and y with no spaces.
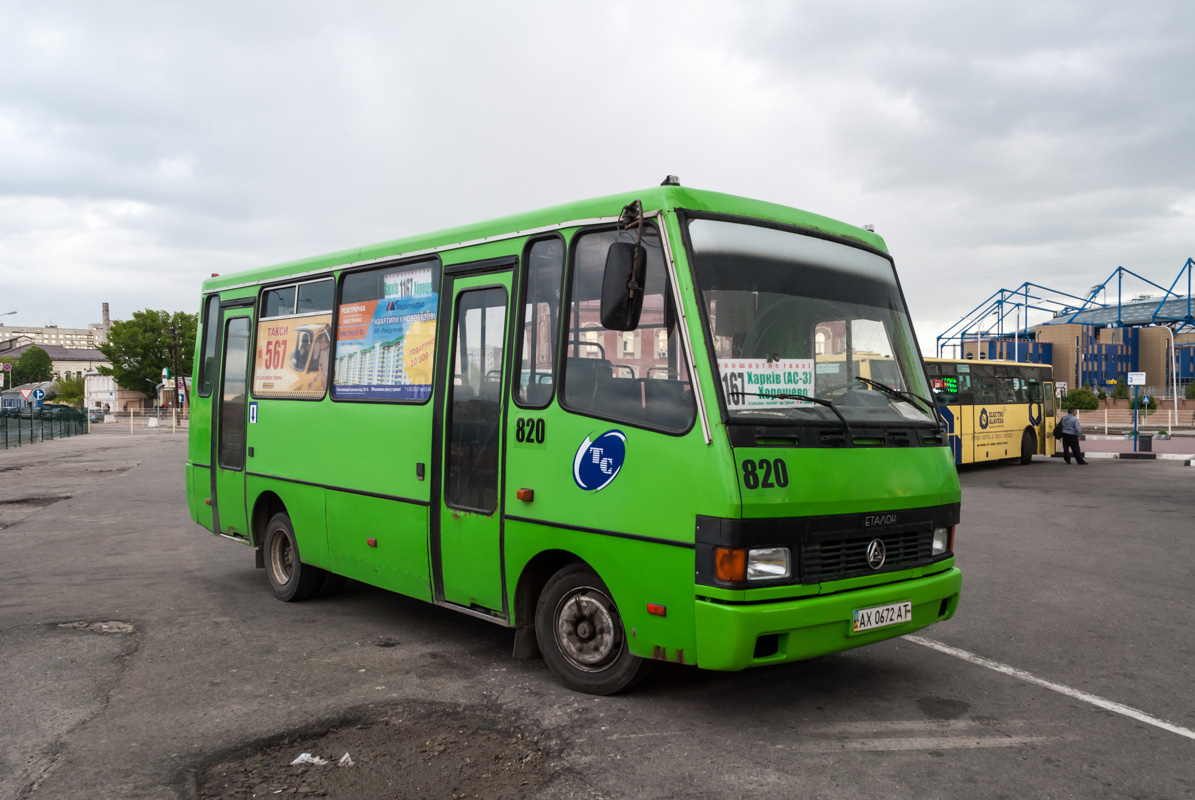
{"x":914,"y":743}
{"x":1021,"y":674}
{"x":927,"y":725}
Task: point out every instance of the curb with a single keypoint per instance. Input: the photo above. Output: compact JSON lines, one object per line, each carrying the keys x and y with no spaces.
{"x":1188,"y":460}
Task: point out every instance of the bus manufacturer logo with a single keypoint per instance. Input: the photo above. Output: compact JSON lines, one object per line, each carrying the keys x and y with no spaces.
{"x":983,"y":419}
{"x":876,"y":554}
{"x":598,"y":461}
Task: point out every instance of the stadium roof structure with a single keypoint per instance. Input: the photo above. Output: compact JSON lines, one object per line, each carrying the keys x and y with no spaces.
{"x":1005,"y":313}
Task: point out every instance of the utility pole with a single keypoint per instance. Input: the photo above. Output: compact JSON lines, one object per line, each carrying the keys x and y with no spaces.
{"x":174,"y":371}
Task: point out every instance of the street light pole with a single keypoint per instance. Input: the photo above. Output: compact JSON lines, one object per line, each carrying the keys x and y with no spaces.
{"x":1174,"y":373}
{"x":6,"y":314}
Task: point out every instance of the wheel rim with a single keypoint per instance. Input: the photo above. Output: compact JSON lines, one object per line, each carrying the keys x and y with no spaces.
{"x":587,"y":629}
{"x":282,"y":558}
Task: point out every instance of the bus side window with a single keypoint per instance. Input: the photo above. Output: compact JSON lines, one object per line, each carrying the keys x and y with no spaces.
{"x":640,"y":376}
{"x":540,"y":323}
{"x":211,"y":339}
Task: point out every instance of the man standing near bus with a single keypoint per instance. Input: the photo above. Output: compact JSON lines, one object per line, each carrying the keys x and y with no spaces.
{"x":1071,"y":431}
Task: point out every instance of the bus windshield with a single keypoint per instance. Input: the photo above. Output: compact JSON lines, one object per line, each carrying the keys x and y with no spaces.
{"x":792,"y":315}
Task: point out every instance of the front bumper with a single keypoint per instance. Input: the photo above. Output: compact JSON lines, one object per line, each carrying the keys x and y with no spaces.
{"x":729,"y":636}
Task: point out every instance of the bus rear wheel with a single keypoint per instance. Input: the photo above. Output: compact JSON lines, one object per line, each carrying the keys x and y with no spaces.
{"x":580,"y":634}
{"x":1028,"y":447}
{"x":290,"y":579}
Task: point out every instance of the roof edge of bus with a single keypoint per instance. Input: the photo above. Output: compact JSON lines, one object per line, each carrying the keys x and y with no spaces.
{"x":656,"y":198}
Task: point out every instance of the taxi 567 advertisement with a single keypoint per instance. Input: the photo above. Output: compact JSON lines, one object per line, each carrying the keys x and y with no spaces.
{"x":292,"y":357}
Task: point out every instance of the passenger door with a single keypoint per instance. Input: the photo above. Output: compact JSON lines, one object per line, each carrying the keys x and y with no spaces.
{"x":471,"y":400}
{"x":1048,"y":445}
{"x":231,"y":421}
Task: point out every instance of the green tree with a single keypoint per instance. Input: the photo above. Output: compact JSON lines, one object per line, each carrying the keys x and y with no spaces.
{"x":140,"y":348}
{"x":1121,"y":392}
{"x":33,"y":366}
{"x":68,"y":391}
{"x":1082,"y":399}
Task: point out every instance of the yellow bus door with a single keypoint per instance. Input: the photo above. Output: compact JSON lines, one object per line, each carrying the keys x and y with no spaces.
{"x":1049,"y":444}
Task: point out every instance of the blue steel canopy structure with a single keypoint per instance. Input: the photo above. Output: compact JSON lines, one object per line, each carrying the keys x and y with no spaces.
{"x":988,"y":319}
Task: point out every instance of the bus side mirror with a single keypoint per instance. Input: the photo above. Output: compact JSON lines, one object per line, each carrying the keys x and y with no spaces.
{"x":622,"y":286}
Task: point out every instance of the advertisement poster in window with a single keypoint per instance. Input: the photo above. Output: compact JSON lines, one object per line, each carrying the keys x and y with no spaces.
{"x":292,"y":357}
{"x":385,"y":348}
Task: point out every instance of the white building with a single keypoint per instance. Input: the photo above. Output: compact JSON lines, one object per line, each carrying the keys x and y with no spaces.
{"x":101,"y":391}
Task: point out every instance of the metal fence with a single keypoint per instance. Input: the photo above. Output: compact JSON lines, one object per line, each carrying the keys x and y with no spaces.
{"x":1119,"y":419}
{"x":31,"y":425}
{"x":142,"y":420}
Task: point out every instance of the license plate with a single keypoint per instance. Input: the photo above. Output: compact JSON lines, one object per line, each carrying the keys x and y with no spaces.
{"x":868,"y":619}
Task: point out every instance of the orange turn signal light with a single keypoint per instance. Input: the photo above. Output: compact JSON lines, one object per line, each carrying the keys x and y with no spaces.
{"x":372,"y":542}
{"x":525,"y":494}
{"x":730,"y":564}
{"x":657,"y":609}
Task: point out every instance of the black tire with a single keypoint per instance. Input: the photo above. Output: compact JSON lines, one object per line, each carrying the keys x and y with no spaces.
{"x":581,"y":635}
{"x":289,"y":577}
{"x":1028,"y":447}
{"x":332,"y":584}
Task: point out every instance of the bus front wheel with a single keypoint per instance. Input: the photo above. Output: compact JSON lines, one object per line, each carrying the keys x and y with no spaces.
{"x":290,"y":579}
{"x":1028,"y":447}
{"x":581,"y":636}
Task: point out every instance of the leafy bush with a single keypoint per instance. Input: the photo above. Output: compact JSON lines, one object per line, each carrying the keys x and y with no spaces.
{"x":1082,"y":399}
{"x":1103,"y":395}
{"x":1190,"y":393}
{"x":1151,"y":405}
{"x":1121,"y":392}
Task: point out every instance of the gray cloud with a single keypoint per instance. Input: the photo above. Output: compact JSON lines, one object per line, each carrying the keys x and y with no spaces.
{"x":144,"y":146}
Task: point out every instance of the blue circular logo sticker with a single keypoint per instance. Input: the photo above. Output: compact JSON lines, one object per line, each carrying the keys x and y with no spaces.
{"x":983,"y":419}
{"x":598,"y":461}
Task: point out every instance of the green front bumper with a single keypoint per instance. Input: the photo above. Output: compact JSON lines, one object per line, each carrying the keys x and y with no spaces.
{"x":727,"y":635}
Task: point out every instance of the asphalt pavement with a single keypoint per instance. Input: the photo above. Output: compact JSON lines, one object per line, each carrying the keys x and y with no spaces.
{"x":137,"y":649}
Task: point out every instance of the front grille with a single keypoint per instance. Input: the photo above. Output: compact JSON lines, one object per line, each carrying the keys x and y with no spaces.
{"x":834,"y":557}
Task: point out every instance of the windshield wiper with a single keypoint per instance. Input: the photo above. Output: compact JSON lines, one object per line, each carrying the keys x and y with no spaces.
{"x":785,"y":396}
{"x":908,"y":397}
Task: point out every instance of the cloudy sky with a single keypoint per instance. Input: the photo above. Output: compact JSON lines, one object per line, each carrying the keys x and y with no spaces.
{"x":145,"y":145}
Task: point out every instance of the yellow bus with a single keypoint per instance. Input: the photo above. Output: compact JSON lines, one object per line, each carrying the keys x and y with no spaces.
{"x":994,"y":410}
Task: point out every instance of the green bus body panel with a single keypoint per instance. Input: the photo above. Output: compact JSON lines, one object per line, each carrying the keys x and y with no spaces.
{"x":726,"y":635}
{"x":348,"y":472}
{"x":664,"y":483}
{"x":305,"y":506}
{"x":199,"y":484}
{"x":398,"y":559}
{"x":851,"y":480}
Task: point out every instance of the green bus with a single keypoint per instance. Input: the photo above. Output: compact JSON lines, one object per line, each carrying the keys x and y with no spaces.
{"x":632,"y":429}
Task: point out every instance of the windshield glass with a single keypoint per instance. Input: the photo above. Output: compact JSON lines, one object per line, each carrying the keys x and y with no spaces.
{"x":793,"y":315}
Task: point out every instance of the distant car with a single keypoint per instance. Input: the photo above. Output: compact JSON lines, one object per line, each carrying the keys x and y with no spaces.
{"x":10,"y":411}
{"x":95,"y":415}
{"x":56,"y":411}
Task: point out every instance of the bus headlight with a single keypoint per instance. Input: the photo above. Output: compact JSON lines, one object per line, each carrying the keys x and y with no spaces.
{"x":768,"y":563}
{"x":941,"y":541}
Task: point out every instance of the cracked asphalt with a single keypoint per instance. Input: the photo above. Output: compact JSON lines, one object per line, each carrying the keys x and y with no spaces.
{"x":137,"y":651}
